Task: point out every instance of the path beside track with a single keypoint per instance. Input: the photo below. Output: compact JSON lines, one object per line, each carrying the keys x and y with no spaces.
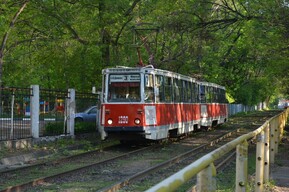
{"x":280,"y":170}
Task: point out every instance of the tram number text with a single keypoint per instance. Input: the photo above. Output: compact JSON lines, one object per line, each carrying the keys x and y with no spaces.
{"x":122,"y":119}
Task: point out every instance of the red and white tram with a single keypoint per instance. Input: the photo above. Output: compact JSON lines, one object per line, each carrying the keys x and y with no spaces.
{"x":155,"y":104}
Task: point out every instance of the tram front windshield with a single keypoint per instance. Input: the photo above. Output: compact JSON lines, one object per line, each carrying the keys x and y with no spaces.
{"x":124,"y":88}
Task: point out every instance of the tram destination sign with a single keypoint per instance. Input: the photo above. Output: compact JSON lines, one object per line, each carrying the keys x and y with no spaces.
{"x":125,"y":78}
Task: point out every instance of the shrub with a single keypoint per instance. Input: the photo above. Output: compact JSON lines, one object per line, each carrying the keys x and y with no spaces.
{"x":57,"y":128}
{"x":54,"y":128}
{"x":85,"y":127}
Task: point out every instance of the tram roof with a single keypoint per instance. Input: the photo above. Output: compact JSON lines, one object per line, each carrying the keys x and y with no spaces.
{"x":151,"y":69}
{"x":211,"y":84}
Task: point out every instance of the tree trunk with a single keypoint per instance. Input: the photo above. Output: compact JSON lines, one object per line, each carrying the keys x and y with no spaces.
{"x":104,"y":35}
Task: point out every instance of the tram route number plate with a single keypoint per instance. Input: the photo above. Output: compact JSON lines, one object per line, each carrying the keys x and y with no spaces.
{"x":123,"y":119}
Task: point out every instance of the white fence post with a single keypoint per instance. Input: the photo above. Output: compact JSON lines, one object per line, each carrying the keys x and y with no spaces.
{"x":242,"y":167}
{"x":12,"y":115}
{"x":259,"y":179}
{"x":34,"y":110}
{"x":70,"y":111}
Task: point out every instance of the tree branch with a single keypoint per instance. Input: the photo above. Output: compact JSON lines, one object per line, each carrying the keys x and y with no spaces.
{"x":128,"y":12}
{"x":6,"y":35}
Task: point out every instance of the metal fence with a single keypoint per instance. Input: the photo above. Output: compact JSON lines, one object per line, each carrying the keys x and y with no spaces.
{"x":85,"y":100}
{"x":52,"y":112}
{"x":238,"y":108}
{"x":14,"y":113}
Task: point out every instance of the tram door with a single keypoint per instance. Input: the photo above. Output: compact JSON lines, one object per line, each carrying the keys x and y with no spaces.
{"x":204,"y":112}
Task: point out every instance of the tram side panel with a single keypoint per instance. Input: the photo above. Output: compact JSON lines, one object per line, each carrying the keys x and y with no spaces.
{"x":173,"y":118}
{"x":217,"y":113}
{"x":156,"y":120}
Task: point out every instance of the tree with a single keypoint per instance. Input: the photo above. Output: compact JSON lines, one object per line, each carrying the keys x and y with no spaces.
{"x":240,"y":44}
{"x":8,"y":30}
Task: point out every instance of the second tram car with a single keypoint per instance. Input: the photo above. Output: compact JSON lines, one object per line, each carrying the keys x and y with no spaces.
{"x":149,"y":103}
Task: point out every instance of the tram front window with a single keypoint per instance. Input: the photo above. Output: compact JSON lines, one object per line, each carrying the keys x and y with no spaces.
{"x":124,"y":88}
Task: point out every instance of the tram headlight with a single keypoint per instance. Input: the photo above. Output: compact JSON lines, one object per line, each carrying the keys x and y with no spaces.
{"x":109,"y":121}
{"x":137,"y":121}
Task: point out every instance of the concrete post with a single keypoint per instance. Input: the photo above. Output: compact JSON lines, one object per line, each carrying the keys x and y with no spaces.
{"x":281,"y":126}
{"x":34,"y":111}
{"x":101,"y":118}
{"x":206,"y":179}
{"x":259,"y":180}
{"x":241,"y":167}
{"x":277,"y":134}
{"x":70,"y":111}
{"x":267,"y":154}
{"x":273,"y":127}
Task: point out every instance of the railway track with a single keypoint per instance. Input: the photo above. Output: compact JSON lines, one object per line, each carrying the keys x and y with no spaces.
{"x":120,"y":163}
{"x":27,"y":176}
{"x":136,"y":170}
{"x":179,"y":160}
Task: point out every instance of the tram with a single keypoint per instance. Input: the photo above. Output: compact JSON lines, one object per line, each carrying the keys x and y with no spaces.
{"x":154,"y":104}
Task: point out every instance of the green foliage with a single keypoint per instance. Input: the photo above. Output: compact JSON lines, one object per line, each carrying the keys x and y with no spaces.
{"x":252,"y":93}
{"x":65,"y":44}
{"x":57,"y":128}
{"x":85,"y":127}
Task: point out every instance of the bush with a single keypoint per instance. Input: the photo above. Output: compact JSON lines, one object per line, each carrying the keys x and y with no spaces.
{"x":54,"y":128}
{"x":85,"y":127}
{"x":57,"y":128}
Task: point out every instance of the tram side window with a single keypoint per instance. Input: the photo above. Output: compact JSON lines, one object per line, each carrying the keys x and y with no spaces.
{"x":217,"y":92}
{"x":184,"y":91}
{"x":209,"y":94}
{"x":188,"y":89}
{"x":202,"y":94}
{"x":177,"y":90}
{"x":213,"y":95}
{"x":168,"y":89}
{"x":149,"y":88}
{"x":195,"y":93}
{"x":181,"y":91}
{"x":217,"y":95}
{"x":160,"y":95}
{"x":223,"y":96}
